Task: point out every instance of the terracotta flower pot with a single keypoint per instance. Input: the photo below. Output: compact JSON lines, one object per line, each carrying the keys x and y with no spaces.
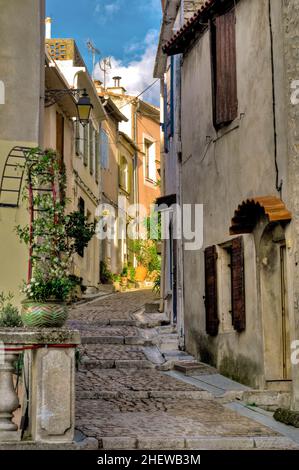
{"x":44,"y":314}
{"x":141,"y":273}
{"x":124,"y":281}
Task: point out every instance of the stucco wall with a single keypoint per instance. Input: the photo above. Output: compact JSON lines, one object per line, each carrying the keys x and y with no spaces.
{"x":221,"y":169}
{"x":21,"y":34}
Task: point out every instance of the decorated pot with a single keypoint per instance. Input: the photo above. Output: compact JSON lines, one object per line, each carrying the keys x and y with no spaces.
{"x":141,"y":273}
{"x":44,"y":315}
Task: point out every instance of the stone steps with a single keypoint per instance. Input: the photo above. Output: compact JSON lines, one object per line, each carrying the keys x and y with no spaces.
{"x":197,"y":443}
{"x":144,"y":394}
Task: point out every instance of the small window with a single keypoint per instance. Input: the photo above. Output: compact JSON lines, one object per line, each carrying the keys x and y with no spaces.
{"x":124,"y":176}
{"x":150,"y":161}
{"x":224,"y":70}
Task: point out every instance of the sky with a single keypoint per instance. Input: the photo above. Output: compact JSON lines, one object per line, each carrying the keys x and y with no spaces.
{"x":125,"y":30}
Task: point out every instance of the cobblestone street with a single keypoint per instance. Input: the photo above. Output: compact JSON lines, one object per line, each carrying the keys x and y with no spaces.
{"x":125,"y":402}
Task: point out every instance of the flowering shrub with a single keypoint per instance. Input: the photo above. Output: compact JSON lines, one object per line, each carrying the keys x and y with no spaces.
{"x":53,"y":237}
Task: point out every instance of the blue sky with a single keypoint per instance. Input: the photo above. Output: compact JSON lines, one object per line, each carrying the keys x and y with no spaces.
{"x":126,"y":30}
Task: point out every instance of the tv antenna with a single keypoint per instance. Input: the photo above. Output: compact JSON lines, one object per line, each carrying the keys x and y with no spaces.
{"x":105,"y":65}
{"x":95,"y":52}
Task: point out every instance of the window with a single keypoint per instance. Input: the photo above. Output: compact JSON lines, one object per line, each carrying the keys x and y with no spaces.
{"x":232,"y":302}
{"x":223,"y":53}
{"x":104,"y":148}
{"x":150,"y":161}
{"x":124,"y":176}
{"x":91,"y":149}
{"x":79,"y":139}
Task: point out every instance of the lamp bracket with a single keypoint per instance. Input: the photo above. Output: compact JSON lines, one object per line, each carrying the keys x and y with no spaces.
{"x":54,"y":96}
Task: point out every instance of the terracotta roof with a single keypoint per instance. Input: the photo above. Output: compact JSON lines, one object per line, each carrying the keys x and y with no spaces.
{"x":248,"y":213}
{"x":188,"y":26}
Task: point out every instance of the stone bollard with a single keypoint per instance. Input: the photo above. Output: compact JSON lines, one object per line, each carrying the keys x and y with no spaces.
{"x":9,"y":401}
{"x":49,"y":384}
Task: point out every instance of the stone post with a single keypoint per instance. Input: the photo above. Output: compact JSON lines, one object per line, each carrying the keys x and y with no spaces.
{"x":49,"y":384}
{"x":9,"y":401}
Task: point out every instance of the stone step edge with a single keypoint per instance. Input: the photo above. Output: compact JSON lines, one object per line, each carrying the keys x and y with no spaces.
{"x":116,"y":364}
{"x":125,"y":340}
{"x":198,"y":443}
{"x":141,"y":394}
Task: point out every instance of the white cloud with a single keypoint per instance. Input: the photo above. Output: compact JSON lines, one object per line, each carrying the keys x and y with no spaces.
{"x":105,"y":11}
{"x":137,"y":74}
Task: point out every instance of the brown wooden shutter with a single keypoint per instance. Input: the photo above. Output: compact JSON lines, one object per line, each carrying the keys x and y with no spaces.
{"x":211,"y":303}
{"x":238,"y":285}
{"x":226,"y":100}
{"x":60,"y":134}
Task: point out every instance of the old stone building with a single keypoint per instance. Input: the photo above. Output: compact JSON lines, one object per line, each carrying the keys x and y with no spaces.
{"x":236,"y":153}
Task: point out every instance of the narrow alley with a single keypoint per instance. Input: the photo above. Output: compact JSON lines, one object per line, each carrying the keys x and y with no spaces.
{"x":126,"y":401}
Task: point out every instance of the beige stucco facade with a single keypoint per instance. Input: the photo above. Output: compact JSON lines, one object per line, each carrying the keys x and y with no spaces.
{"x":81,"y":153}
{"x":20,"y":120}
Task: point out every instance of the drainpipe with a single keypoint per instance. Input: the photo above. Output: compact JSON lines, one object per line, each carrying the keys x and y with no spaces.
{"x":136,"y":179}
{"x":42,"y":13}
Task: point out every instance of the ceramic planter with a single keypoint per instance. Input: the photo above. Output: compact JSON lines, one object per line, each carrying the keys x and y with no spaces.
{"x":50,"y":314}
{"x":141,"y":273}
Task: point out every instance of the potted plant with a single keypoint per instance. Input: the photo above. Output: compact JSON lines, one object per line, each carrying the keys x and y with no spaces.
{"x":52,"y":237}
{"x":116,"y":282}
{"x":124,"y":277}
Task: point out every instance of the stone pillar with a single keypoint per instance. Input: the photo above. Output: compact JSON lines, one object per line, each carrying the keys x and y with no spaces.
{"x":9,"y":401}
{"x":49,"y":384}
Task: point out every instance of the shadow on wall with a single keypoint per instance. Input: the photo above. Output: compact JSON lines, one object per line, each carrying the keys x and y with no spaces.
{"x":238,"y":368}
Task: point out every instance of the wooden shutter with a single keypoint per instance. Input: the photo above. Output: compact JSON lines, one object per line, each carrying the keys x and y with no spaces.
{"x":97,"y":156}
{"x":226,"y":100}
{"x":238,"y":285}
{"x":86,"y":145}
{"x":91,"y":148}
{"x":60,"y":134}
{"x":211,"y":301}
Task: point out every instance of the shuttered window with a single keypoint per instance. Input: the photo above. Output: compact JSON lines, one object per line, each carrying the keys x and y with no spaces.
{"x":91,"y":148}
{"x":104,"y":146}
{"x":86,"y":145}
{"x":211,"y":302}
{"x":223,"y":44}
{"x":97,"y":156}
{"x":238,"y":285}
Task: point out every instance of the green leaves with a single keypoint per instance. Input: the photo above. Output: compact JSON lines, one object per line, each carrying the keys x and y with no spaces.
{"x":53,"y":237}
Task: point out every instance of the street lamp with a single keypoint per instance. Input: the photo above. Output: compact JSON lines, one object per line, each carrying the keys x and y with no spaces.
{"x":84,"y":108}
{"x":83,"y":103}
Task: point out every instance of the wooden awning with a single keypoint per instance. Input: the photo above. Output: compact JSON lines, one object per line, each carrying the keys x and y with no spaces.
{"x":251,"y":210}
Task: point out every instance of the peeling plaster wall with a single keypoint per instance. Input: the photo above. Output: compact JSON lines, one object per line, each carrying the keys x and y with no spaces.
{"x":237,"y":164}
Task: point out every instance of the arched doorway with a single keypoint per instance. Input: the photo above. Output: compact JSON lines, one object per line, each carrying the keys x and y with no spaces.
{"x":267,"y":218}
{"x":274,"y":304}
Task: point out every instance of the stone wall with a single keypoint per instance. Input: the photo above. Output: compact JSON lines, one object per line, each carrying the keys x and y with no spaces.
{"x":291,"y":68}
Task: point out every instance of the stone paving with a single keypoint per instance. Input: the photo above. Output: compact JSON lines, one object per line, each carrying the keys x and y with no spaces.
{"x":126,"y":403}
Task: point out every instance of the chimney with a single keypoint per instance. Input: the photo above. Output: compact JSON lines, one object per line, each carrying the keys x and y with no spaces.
{"x":48,"y":22}
{"x":116,"y":81}
{"x":117,"y":88}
